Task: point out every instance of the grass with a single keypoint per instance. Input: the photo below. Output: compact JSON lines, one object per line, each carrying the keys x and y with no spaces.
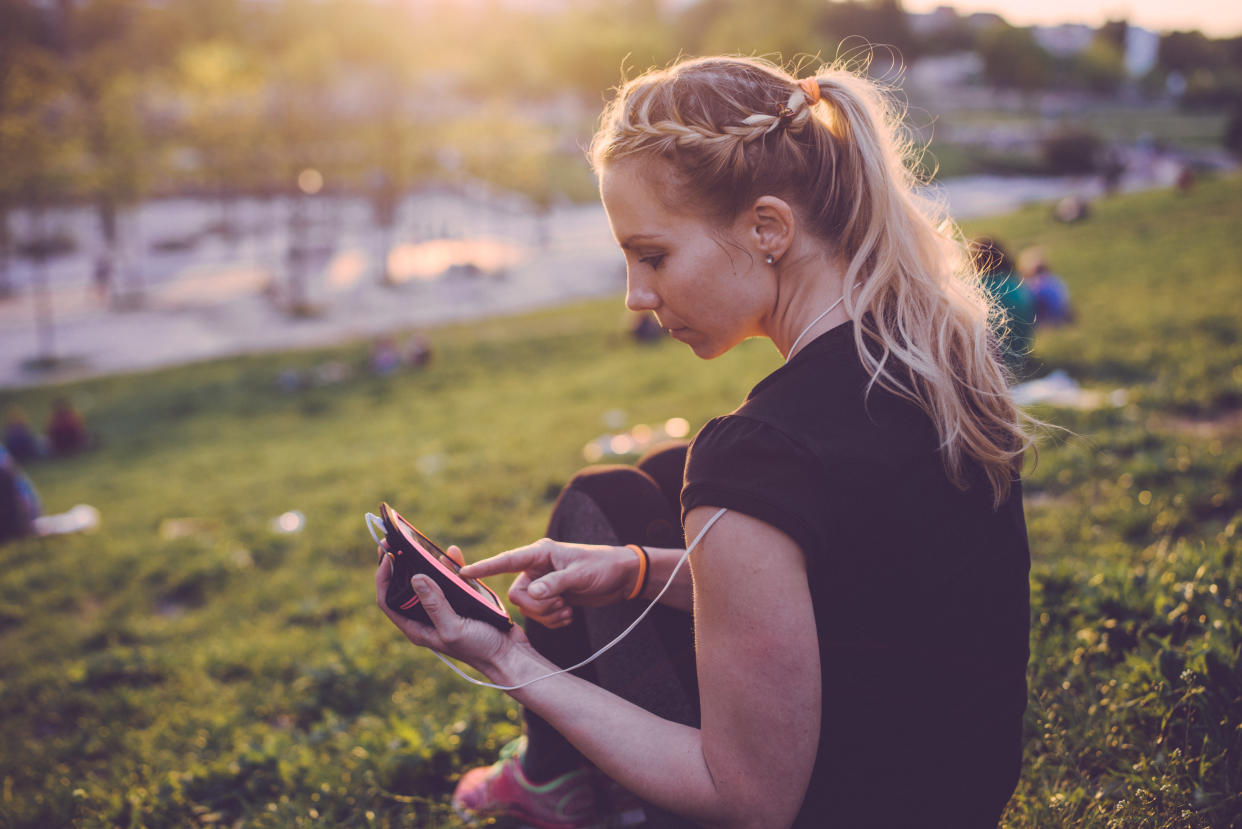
{"x":168,"y":672}
{"x":1111,"y":123}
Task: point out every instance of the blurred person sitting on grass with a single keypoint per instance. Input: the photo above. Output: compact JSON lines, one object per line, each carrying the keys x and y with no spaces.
{"x":849,"y":646}
{"x":66,"y":429}
{"x":1049,"y":291}
{"x":19,"y":503}
{"x":1014,"y":325}
{"x":21,"y":441}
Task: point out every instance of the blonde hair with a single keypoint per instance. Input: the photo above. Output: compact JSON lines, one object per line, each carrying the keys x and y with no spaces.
{"x":735,"y":129}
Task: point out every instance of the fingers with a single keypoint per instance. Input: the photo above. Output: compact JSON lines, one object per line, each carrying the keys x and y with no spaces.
{"x":556,"y":583}
{"x":433,"y":601}
{"x":467,"y":639}
{"x":550,"y":612}
{"x":559,"y":619}
{"x":530,"y":557}
{"x":416,"y":632}
{"x":454,"y":553}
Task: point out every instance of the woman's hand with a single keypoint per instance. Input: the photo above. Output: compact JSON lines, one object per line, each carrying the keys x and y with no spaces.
{"x":476,"y":643}
{"x":555,"y":576}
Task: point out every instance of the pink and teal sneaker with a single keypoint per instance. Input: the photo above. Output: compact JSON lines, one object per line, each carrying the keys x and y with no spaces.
{"x":576,"y":800}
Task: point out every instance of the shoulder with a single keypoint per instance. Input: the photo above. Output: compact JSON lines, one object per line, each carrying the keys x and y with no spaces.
{"x":742,"y":443}
{"x":756,"y":468}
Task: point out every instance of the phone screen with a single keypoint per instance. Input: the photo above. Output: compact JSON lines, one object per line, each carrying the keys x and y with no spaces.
{"x":417,"y":539}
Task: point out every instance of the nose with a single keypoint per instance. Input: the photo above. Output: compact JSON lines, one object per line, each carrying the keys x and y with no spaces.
{"x":639,"y":295}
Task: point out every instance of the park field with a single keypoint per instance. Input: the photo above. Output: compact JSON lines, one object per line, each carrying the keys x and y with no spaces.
{"x":188,"y":664}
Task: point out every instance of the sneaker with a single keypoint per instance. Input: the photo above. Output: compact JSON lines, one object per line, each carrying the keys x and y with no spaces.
{"x":503,"y":790}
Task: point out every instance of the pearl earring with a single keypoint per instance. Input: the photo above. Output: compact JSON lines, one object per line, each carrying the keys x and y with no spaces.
{"x":770,"y":259}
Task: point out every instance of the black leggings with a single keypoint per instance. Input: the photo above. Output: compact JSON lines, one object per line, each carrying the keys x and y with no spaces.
{"x":652,"y":667}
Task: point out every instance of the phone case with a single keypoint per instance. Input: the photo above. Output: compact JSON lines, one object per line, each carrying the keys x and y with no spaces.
{"x":412,"y":553}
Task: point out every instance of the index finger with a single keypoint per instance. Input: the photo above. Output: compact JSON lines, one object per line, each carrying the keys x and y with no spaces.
{"x":530,"y":557}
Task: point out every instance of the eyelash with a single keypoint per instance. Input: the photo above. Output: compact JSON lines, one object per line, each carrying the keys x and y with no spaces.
{"x":653,"y":262}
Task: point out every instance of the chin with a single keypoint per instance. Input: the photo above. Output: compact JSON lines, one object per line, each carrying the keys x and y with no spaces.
{"x":704,"y":347}
{"x":708,"y":350}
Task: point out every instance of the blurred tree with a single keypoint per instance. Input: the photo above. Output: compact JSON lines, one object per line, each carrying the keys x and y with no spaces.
{"x":181,"y":23}
{"x":586,"y":47}
{"x":879,"y":23}
{"x":506,"y":148}
{"x":494,"y":66}
{"x":1114,"y":32}
{"x":957,"y":36}
{"x":394,"y":149}
{"x":1013,"y":60}
{"x":33,"y":128}
{"x":1232,"y":49}
{"x":305,"y":138}
{"x":15,"y":38}
{"x":1232,"y":139}
{"x":37,"y":146}
{"x":1101,"y":67}
{"x":104,"y":56}
{"x":1186,"y":52}
{"x":1210,"y":70}
{"x":222,"y":92}
{"x":693,"y":20}
{"x":749,"y":28}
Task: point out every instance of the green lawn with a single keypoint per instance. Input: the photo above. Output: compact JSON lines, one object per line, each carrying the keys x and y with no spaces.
{"x":1111,"y":123}
{"x":215,"y":671}
{"x":1114,"y":122}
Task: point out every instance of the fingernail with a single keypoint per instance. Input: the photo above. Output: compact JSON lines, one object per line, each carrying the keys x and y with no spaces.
{"x":420,"y":584}
{"x":538,"y":589}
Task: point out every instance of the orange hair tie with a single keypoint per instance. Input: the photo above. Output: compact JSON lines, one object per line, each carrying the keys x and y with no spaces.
{"x":811,"y":87}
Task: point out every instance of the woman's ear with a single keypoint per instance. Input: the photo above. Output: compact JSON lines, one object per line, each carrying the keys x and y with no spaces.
{"x":771,"y":226}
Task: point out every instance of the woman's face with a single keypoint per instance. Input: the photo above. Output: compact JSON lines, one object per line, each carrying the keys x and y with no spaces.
{"x":707,"y":285}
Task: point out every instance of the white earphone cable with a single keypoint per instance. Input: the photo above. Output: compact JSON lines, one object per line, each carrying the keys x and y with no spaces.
{"x":607,"y":647}
{"x":840,"y":299}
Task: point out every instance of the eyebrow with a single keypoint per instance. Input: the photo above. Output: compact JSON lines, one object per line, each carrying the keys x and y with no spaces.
{"x":639,"y":237}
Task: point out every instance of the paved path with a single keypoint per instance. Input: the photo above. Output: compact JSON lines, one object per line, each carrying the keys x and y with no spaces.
{"x":219,"y":309}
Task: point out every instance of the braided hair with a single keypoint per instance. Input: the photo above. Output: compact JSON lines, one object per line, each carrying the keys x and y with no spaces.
{"x":734,"y":129}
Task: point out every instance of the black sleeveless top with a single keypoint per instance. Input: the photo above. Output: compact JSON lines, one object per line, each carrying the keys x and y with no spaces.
{"x":920,"y":590}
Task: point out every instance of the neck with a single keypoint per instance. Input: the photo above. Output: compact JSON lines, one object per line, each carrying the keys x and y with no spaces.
{"x":822,"y":315}
{"x":809,"y":302}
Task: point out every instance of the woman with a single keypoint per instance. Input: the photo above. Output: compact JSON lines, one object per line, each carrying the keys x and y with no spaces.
{"x":860,"y":608}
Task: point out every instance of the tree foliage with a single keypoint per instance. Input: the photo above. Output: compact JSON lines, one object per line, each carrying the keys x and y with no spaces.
{"x":229,"y":96}
{"x":1013,"y":60}
{"x":1186,"y":52}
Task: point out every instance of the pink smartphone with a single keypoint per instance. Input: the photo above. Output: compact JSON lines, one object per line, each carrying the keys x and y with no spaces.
{"x":412,"y":553}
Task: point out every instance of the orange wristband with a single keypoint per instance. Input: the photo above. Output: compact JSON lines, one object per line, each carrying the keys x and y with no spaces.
{"x":643,"y":564}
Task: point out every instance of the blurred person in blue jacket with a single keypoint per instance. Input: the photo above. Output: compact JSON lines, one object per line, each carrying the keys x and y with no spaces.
{"x":19,"y":503}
